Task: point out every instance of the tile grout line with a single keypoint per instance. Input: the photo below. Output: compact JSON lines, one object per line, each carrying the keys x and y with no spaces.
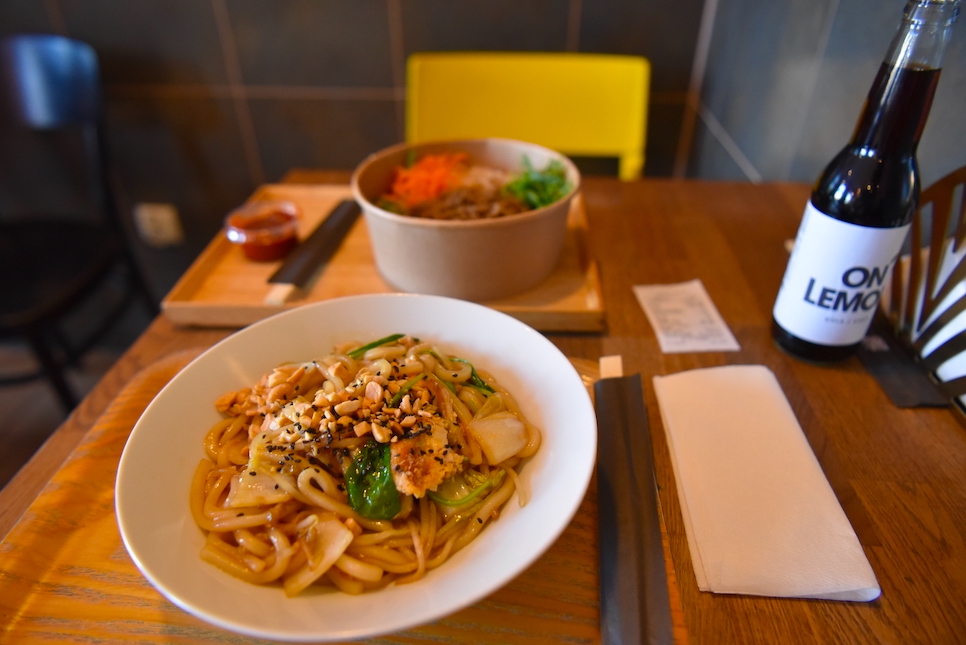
{"x":236,"y":84}
{"x":56,"y":17}
{"x":799,"y":130}
{"x":254,"y":91}
{"x":306,"y":92}
{"x":573,"y":25}
{"x":692,"y":103}
{"x":397,"y":53}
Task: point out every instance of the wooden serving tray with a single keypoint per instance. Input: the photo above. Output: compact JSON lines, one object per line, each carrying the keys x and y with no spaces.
{"x":224,"y":289}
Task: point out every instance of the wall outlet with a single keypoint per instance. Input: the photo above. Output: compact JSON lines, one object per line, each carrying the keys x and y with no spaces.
{"x":158,"y":224}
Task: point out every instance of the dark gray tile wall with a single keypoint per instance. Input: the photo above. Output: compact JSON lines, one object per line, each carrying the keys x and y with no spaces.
{"x":788,"y":92}
{"x":313,"y":133}
{"x":317,"y":43}
{"x":715,"y":161}
{"x":759,"y":79}
{"x":183,"y":150}
{"x":209,"y":98}
{"x":149,"y":41}
{"x":943,"y":144}
{"x":666,"y":35}
{"x":443,"y":25}
{"x":23,"y":16}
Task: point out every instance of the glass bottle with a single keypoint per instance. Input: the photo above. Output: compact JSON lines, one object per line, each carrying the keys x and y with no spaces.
{"x":862,"y":204}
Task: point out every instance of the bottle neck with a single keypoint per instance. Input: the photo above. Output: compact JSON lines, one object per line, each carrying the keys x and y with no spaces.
{"x":898,"y":104}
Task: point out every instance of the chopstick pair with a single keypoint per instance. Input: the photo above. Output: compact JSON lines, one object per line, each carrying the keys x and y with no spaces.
{"x":635,"y":604}
{"x":308,"y":257}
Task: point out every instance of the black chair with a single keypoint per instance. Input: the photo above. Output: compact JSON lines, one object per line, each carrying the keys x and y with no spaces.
{"x":50,"y":263}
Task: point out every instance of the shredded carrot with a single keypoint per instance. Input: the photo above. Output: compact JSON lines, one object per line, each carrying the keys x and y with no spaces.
{"x":428,"y":178}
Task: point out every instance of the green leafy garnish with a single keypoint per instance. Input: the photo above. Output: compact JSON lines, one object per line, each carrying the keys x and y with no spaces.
{"x":392,"y":206}
{"x":475,"y":379}
{"x":368,"y":479}
{"x":465,"y":487}
{"x":359,"y":352}
{"x":539,"y":188}
{"x":408,"y":385}
{"x":411,"y":158}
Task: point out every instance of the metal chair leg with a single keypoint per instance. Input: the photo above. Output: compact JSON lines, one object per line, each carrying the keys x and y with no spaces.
{"x":53,"y":370}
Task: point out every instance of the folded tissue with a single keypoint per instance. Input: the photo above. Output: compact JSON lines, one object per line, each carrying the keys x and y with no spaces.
{"x":760,"y":516}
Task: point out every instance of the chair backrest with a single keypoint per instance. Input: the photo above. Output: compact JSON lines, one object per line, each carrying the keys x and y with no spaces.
{"x":54,"y":83}
{"x":919,"y":303}
{"x":591,"y":105}
{"x":53,"y":80}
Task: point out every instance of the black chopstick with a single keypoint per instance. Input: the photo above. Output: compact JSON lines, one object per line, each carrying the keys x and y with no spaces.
{"x":318,"y":247}
{"x":635,"y":605}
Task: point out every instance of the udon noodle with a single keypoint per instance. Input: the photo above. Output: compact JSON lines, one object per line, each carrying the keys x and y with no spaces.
{"x":371,"y":465}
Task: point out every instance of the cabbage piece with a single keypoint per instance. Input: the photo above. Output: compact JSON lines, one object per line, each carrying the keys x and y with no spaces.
{"x":327,"y":542}
{"x":252,"y":488}
{"x":500,"y":433}
{"x":465,"y":487}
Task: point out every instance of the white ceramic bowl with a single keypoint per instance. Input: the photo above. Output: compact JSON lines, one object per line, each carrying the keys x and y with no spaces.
{"x":476,"y":260}
{"x":154,"y":475}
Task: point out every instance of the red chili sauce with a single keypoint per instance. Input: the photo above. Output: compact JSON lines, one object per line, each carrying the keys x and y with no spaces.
{"x":265,"y":234}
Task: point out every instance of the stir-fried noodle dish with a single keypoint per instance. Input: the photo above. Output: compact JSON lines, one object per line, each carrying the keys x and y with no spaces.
{"x":369,"y":466}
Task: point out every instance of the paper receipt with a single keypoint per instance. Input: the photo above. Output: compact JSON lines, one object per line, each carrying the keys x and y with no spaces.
{"x":684,"y":318}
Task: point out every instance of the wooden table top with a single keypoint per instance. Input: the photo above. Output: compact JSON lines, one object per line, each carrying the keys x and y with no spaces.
{"x":900,"y":474}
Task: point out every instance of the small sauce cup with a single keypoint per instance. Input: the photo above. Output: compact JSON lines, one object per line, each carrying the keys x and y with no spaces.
{"x":266,"y":230}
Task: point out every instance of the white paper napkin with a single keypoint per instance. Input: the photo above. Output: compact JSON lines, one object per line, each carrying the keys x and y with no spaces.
{"x":760,"y":516}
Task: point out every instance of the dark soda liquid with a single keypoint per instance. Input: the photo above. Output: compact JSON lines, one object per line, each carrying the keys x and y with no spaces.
{"x":874,"y":180}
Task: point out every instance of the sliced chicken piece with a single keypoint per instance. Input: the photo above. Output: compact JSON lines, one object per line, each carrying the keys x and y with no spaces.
{"x":421,"y":462}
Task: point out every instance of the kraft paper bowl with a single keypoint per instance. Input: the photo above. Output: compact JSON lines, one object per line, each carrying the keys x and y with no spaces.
{"x":475,"y":260}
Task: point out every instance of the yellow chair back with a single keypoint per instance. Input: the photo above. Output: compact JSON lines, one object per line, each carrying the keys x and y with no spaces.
{"x":591,"y":105}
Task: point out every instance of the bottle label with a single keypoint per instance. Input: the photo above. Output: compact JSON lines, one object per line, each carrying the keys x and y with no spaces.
{"x":835,"y":278}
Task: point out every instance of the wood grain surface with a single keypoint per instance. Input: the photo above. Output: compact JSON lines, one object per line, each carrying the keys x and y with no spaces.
{"x":66,"y":575}
{"x":224,"y":289}
{"x":899,"y":474}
